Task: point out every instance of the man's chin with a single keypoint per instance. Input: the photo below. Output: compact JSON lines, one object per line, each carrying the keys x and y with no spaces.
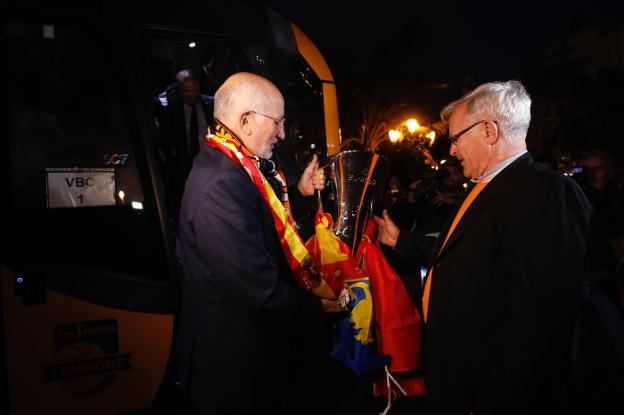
{"x":467,"y":174}
{"x":266,"y":153}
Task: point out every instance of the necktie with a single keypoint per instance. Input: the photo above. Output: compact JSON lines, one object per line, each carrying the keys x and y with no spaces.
{"x":467,"y":202}
{"x":193,"y":131}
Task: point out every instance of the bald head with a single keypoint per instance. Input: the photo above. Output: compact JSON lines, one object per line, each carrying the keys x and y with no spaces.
{"x":241,"y":92}
{"x":188,"y":87}
{"x":252,"y":108}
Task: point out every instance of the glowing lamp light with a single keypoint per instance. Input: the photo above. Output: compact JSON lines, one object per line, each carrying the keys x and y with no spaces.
{"x":192,"y":45}
{"x":394,"y":135}
{"x":137,"y":205}
{"x":431,"y":135}
{"x":412,"y":125}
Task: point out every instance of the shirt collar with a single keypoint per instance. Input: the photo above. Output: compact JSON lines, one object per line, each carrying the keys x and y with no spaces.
{"x":491,"y":173}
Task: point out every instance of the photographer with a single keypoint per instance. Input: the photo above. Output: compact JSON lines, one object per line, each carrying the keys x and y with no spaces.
{"x":430,"y":200}
{"x":452,"y":185}
{"x":602,"y":288}
{"x":607,"y":202}
{"x":429,"y":203}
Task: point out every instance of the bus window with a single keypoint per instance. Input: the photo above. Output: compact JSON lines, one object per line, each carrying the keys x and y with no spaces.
{"x":304,"y":108}
{"x":76,"y":189}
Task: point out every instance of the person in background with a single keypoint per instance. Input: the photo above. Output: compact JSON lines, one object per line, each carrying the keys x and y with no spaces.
{"x":607,"y":202}
{"x":430,"y":199}
{"x":600,"y":333}
{"x":429,"y":202}
{"x":452,"y":188}
{"x":184,"y":116}
{"x":501,"y":295}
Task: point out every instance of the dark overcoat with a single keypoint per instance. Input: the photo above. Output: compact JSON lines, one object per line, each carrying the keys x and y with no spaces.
{"x":504,"y":295}
{"x":240,"y":307}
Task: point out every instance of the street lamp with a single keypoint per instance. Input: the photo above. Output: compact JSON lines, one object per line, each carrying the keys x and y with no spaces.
{"x":412,"y":125}
{"x":420,"y":138}
{"x":394,"y":135}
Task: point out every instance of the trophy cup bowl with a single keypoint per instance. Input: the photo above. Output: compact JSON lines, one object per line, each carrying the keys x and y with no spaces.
{"x":355,"y":178}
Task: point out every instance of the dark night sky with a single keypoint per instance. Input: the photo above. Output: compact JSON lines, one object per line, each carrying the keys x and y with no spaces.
{"x":492,"y":39}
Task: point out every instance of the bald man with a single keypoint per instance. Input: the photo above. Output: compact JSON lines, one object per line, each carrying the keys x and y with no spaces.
{"x":240,"y":305}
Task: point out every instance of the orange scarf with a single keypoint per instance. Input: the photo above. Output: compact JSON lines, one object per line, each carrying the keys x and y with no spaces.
{"x":463,"y":208}
{"x":306,"y":272}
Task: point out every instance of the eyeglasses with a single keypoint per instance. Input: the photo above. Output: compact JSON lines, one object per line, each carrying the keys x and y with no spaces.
{"x":276,"y":121}
{"x":453,"y":139}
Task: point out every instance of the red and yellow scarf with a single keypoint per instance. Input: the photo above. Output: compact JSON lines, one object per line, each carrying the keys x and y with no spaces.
{"x":306,"y":272}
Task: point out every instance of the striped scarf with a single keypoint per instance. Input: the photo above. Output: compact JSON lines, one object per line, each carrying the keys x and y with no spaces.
{"x":306,"y":272}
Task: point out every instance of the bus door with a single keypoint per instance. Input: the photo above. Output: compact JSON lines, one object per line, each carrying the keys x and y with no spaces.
{"x":211,"y":57}
{"x":85,"y":270}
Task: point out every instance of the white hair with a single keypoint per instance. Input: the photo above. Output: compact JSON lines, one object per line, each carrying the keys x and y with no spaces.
{"x":185,"y":74}
{"x":507,"y":103}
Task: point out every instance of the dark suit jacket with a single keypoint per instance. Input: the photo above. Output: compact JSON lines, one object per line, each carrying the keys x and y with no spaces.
{"x":240,"y":307}
{"x":173,"y":141}
{"x":504,"y":296}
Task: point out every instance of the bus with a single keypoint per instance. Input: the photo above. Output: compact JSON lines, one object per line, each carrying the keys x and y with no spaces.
{"x":89,"y":273}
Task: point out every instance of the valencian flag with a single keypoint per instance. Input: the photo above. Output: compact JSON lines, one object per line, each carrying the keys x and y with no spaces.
{"x":397,"y":320}
{"x":354,"y":344}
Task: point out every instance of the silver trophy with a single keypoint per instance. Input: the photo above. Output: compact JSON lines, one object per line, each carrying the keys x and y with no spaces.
{"x":355,"y":178}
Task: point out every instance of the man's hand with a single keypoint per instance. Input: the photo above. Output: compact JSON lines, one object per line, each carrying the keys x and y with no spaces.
{"x":312,"y":178}
{"x":442,"y":198}
{"x":388,"y":231}
{"x":332,"y":306}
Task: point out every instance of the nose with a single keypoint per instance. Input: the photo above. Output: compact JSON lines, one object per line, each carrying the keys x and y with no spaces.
{"x":453,"y":150}
{"x":281,"y":131}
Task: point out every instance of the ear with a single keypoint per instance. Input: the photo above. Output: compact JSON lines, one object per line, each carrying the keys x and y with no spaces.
{"x":491,"y":132}
{"x":246,"y":123}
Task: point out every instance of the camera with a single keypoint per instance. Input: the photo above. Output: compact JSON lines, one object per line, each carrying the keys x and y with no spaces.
{"x":429,"y":185}
{"x":427,"y":189}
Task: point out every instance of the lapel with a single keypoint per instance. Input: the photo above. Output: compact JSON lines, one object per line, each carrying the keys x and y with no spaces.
{"x":181,"y":142}
{"x":480,"y":204}
{"x":440,"y":239}
{"x":180,"y":120}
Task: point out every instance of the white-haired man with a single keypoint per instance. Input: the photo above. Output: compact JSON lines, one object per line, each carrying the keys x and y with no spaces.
{"x":501,"y":294}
